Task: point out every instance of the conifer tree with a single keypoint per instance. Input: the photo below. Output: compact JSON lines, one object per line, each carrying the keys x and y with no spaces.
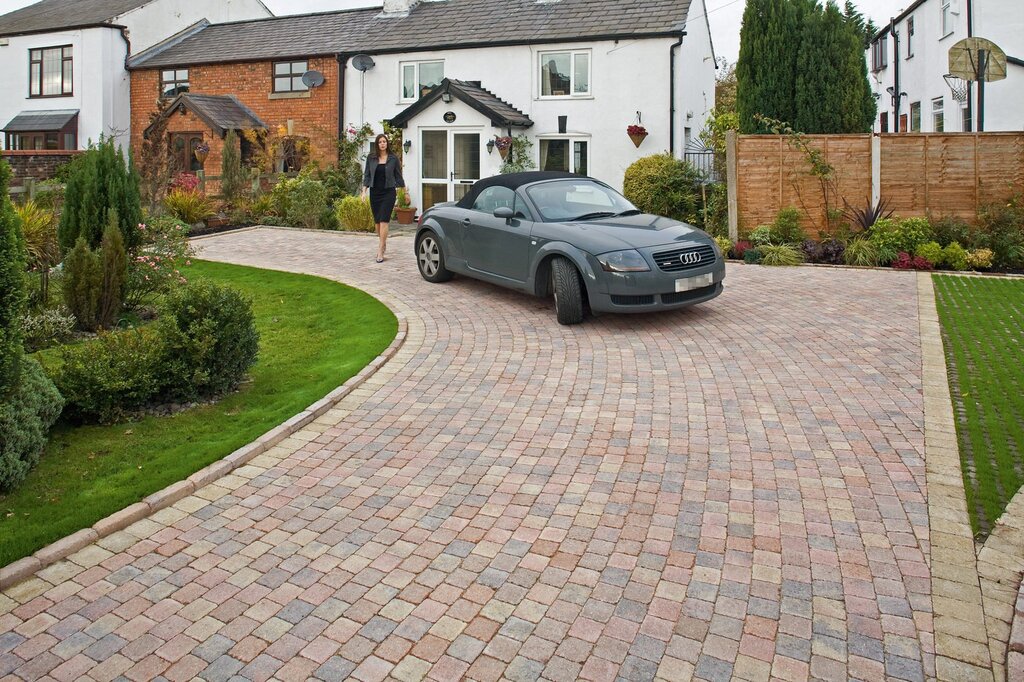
{"x":12,"y":288}
{"x":115,"y":271}
{"x":231,"y":179}
{"x":83,"y":280}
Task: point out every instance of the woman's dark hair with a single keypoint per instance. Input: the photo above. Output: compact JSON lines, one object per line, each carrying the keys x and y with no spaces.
{"x":376,"y":142}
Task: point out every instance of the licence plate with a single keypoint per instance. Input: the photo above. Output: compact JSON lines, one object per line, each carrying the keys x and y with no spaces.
{"x":688,"y":283}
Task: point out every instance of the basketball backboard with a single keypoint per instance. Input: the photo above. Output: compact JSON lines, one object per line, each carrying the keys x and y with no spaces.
{"x":964,"y":58}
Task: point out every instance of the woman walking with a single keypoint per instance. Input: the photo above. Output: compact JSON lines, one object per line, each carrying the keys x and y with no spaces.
{"x":381,"y":177}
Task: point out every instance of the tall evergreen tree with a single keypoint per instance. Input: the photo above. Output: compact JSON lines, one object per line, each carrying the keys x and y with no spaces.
{"x":865,"y":28}
{"x":231,"y":178}
{"x":12,"y":289}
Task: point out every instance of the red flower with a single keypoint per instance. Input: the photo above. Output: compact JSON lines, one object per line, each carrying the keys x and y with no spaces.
{"x":636,"y":130}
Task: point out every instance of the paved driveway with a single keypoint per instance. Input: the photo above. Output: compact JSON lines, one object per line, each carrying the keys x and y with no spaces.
{"x":736,"y":490}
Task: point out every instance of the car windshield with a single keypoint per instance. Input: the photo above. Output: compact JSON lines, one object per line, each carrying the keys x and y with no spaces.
{"x":565,"y":200}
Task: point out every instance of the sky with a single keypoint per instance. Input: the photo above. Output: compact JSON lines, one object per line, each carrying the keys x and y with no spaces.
{"x":725,"y":15}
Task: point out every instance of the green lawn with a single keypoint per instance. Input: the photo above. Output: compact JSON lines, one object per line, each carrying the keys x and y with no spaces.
{"x":314,"y":335}
{"x":983,"y":330}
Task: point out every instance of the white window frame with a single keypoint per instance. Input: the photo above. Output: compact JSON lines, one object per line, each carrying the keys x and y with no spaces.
{"x":938,"y":115}
{"x":415,"y":65}
{"x":946,"y":17}
{"x":571,"y":140}
{"x":910,"y":37}
{"x":573,"y":54}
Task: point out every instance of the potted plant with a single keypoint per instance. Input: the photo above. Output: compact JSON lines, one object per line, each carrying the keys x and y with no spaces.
{"x":504,"y":144}
{"x":637,"y":133}
{"x":201,"y":150}
{"x":404,"y":210}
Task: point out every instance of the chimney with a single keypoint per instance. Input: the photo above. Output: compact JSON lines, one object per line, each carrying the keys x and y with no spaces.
{"x":398,"y":8}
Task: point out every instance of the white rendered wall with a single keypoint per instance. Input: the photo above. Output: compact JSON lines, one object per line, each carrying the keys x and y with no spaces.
{"x":921,"y":76}
{"x":155,"y":21}
{"x":695,"y":77}
{"x":626,"y":77}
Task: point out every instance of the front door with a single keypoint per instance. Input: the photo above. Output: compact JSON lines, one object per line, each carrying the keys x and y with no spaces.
{"x":451,"y":164}
{"x":183,"y":152}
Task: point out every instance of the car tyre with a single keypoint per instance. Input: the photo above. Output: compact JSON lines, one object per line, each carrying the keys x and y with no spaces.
{"x":430,"y":258}
{"x":565,"y":282}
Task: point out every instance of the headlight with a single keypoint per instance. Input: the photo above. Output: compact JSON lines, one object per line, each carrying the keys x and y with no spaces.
{"x":623,"y":261}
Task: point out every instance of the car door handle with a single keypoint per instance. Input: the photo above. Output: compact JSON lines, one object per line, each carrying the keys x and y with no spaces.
{"x":467,"y":221}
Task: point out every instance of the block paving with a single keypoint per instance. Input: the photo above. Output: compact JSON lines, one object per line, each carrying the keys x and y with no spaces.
{"x":737,"y":490}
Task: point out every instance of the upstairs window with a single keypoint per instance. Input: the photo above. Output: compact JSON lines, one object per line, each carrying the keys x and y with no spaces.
{"x":564,"y":74}
{"x":288,"y":76}
{"x":910,"y":37}
{"x":173,"y":82}
{"x":946,"y":10}
{"x":50,"y":72}
{"x":419,"y":78}
{"x":880,"y":53}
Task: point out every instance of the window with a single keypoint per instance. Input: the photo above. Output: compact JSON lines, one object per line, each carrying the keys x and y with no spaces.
{"x":564,"y":154}
{"x":183,"y":152}
{"x":173,"y":82}
{"x":883,"y":122}
{"x":915,"y":117}
{"x":50,"y":71}
{"x":879,"y":53}
{"x":494,"y":197}
{"x":937,"y":118}
{"x":419,"y":78}
{"x":946,"y":9}
{"x":564,"y":74}
{"x":910,"y":37}
{"x":288,"y":76}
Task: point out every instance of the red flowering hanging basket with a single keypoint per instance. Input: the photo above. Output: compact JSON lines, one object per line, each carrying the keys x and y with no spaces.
{"x":504,"y":145}
{"x":637,"y":133}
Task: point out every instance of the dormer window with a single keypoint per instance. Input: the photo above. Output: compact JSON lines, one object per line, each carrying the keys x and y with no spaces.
{"x":173,"y":82}
{"x":565,"y":74}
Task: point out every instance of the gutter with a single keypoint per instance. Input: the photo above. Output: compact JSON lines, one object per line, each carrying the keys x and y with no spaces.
{"x":57,"y":29}
{"x":672,"y":94}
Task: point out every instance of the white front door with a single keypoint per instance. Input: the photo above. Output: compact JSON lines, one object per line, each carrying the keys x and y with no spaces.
{"x":451,"y":164}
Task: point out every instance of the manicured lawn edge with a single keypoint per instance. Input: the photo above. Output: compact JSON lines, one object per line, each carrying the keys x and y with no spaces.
{"x":23,"y":568}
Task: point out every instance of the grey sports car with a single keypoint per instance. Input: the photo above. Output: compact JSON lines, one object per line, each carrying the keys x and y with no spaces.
{"x":572,"y":236}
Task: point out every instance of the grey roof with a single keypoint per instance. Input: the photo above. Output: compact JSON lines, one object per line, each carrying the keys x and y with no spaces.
{"x":33,"y":121}
{"x":430,"y":25}
{"x":501,"y":113}
{"x":49,"y":15}
{"x":221,"y":112}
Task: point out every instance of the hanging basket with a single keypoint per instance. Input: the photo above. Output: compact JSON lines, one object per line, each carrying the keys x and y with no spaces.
{"x":637,"y":138}
{"x":504,"y":152}
{"x":200,"y":155}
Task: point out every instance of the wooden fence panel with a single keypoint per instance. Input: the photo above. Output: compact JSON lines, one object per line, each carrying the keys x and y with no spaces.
{"x":920,"y":174}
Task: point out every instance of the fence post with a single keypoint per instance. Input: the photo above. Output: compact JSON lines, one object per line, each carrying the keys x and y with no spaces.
{"x":30,"y":188}
{"x":876,"y":170}
{"x":202,"y":180}
{"x":256,"y":184}
{"x":731,"y":178}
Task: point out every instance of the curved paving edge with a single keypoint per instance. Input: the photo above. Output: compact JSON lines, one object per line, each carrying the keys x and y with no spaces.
{"x":25,"y":568}
{"x":961,"y":639}
{"x":1000,"y":564}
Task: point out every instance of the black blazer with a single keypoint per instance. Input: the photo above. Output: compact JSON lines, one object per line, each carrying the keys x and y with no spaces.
{"x":392,"y":172}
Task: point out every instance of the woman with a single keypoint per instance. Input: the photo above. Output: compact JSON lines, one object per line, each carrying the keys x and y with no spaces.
{"x":383,"y":174}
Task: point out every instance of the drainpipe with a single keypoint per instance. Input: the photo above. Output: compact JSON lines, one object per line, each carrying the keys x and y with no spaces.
{"x":897,"y":96}
{"x":970,"y":86}
{"x":672,"y":93}
{"x":342,"y":67}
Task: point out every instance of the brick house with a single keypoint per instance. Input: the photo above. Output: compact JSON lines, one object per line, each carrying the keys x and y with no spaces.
{"x":570,"y":75}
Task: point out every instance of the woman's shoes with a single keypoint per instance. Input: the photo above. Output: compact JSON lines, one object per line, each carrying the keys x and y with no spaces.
{"x":380,"y":258}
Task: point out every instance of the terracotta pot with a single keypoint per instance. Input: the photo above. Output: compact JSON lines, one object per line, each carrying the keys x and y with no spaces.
{"x":637,"y":138}
{"x":405,"y":215}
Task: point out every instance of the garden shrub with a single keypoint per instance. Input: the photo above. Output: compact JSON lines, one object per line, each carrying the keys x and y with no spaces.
{"x":740,"y":248}
{"x":752,"y":256}
{"x":110,"y":377}
{"x":354,"y":214}
{"x":26,"y":415}
{"x":904,"y":235}
{"x":209,"y":340}
{"x":931,"y":252}
{"x":41,"y":330}
{"x":99,"y":180}
{"x":39,"y":232}
{"x":666,"y":186}
{"x":829,"y":251}
{"x":724,"y":245}
{"x":329,"y":219}
{"x":114,"y":266}
{"x":862,"y":252}
{"x":904,"y":261}
{"x":83,"y":284}
{"x":786,"y":227}
{"x":190,"y":207}
{"x":1001,"y":227}
{"x":762,"y":235}
{"x":154,"y":268}
{"x":232,"y":178}
{"x":950,"y":229}
{"x":12,"y":288}
{"x":716,"y":210}
{"x":307,"y":203}
{"x":980,"y":259}
{"x":954,"y":257}
{"x":780,"y":254}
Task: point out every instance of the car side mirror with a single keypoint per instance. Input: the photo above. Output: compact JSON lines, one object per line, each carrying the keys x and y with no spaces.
{"x":504,"y":212}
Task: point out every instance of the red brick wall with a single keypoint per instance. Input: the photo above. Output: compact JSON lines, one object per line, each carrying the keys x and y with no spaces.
{"x":38,"y":164}
{"x":315,"y":117}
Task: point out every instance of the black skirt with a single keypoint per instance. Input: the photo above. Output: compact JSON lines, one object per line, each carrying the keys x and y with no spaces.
{"x":382,"y":203}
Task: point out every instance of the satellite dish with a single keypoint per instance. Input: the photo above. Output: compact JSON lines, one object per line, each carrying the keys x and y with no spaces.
{"x":312,"y":79}
{"x":977,"y":59}
{"x":362,"y":62}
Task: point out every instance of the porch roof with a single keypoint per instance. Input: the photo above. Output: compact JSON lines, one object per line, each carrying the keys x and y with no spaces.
{"x":38,"y":121}
{"x":221,"y":112}
{"x":501,"y":113}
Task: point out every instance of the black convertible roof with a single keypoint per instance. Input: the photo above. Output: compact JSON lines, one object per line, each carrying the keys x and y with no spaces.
{"x":512,"y":181}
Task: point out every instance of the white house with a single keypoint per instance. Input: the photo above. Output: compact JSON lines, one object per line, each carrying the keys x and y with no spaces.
{"x":570,"y":75}
{"x":909,"y":58}
{"x":62,"y":64}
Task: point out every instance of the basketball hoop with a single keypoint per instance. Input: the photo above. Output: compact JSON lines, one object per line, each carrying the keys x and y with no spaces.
{"x":958,"y":86}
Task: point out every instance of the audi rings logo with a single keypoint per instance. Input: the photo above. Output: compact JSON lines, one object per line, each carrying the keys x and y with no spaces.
{"x":689,"y":258}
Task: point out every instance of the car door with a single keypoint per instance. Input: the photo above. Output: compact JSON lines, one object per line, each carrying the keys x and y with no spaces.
{"x":497,"y":246}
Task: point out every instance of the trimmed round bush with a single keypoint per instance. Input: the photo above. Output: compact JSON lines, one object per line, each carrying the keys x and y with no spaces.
{"x":980,"y":259}
{"x":26,"y":416}
{"x":955,"y":257}
{"x":354,"y":214}
{"x":209,"y":340}
{"x":666,"y":186}
{"x":931,"y":252}
{"x":892,"y":236}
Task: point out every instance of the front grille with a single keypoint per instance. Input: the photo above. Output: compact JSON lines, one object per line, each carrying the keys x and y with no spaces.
{"x":670,"y":261}
{"x":683,"y":296}
{"x":632,"y":300}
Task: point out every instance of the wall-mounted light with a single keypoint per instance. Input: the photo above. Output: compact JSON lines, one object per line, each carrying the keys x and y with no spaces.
{"x":407,"y":145}
{"x":490,"y":146}
{"x":446,"y":97}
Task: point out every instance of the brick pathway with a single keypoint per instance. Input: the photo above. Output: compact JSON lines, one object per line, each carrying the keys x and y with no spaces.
{"x":736,"y":490}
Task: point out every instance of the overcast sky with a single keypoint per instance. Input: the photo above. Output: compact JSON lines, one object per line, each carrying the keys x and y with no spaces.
{"x":725,"y":15}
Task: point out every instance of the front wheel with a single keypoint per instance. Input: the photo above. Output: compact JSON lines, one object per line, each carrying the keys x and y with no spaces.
{"x":565,"y":282}
{"x":430,"y":259}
